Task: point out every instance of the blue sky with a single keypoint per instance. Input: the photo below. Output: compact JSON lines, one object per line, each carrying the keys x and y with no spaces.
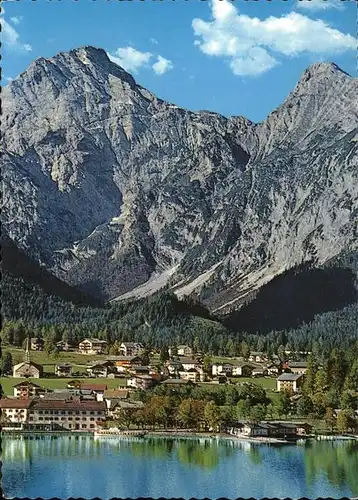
{"x":237,"y":57}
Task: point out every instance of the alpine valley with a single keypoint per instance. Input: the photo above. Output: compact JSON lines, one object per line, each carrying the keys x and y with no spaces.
{"x":121,"y":194}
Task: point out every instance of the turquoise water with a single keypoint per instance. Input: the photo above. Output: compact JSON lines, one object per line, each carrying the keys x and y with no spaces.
{"x":70,"y":466}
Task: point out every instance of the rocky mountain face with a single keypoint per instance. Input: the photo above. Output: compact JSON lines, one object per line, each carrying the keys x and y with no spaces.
{"x":121,"y":193}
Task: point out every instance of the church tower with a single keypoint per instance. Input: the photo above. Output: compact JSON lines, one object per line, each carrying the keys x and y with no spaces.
{"x":27,"y":350}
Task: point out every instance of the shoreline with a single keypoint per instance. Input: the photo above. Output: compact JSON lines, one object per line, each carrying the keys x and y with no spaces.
{"x":177,"y":434}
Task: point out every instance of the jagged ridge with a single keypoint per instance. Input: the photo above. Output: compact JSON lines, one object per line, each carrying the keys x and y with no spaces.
{"x":110,"y":187}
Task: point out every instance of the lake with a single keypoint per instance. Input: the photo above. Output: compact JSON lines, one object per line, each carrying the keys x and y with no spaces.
{"x":81,"y":466}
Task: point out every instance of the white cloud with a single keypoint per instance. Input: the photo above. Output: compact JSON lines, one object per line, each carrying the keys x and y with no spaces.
{"x":10,"y":37}
{"x":16,"y":20}
{"x":316,"y":5}
{"x":133,"y":60}
{"x":162,"y":65}
{"x":130,"y":59}
{"x":154,"y":41}
{"x":252,"y":45}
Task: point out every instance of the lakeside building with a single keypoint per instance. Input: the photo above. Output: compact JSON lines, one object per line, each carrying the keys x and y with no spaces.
{"x":15,"y":410}
{"x":63,"y":370}
{"x":273,"y":429}
{"x":69,"y":414}
{"x":289,"y":382}
{"x":92,"y":346}
{"x":131,"y":348}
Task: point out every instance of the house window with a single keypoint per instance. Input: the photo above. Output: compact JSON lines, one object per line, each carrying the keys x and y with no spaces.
{"x":92,"y":418}
{"x":70,"y":425}
{"x":84,"y":426}
{"x":91,"y":426}
{"x":46,"y":412}
{"x":40,"y":418}
{"x":55,"y":418}
{"x":83,"y":413}
{"x":63,"y":418}
{"x":77,"y":412}
{"x":91,"y":412}
{"x":78,"y":418}
{"x":55,"y":412}
{"x":70,"y":412}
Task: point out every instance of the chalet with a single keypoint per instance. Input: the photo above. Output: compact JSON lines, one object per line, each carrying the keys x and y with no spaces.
{"x":37,"y":344}
{"x":63,"y":370}
{"x":193,"y":375}
{"x":241,"y":369}
{"x":27,"y":389}
{"x":98,"y":389}
{"x":272,"y":369}
{"x":257,"y":357}
{"x":174,"y":366}
{"x":181,"y":350}
{"x":131,"y":348}
{"x":92,"y":346}
{"x":189,"y":363}
{"x":27,"y":369}
{"x":142,"y":382}
{"x":222,"y":369}
{"x":123,"y":363}
{"x":259,"y":372}
{"x":62,"y":345}
{"x":289,"y":382}
{"x":297,"y":366}
{"x":139,"y":370}
{"x":98,"y":368}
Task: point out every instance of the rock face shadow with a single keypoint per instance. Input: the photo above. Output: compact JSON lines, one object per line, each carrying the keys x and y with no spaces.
{"x":295,"y":297}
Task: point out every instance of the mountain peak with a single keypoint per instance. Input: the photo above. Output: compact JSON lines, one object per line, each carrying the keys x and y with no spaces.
{"x":91,"y":53}
{"x":323,"y":68}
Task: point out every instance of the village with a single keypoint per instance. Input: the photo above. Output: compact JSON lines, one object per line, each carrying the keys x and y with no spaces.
{"x":82,"y":405}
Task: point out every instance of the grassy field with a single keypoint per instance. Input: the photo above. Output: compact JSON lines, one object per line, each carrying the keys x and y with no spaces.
{"x":265,"y":382}
{"x":48,"y":362}
{"x":7,"y":383}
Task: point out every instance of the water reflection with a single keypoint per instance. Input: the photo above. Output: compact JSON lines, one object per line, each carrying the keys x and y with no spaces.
{"x":338,"y":460}
{"x":327,"y":468}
